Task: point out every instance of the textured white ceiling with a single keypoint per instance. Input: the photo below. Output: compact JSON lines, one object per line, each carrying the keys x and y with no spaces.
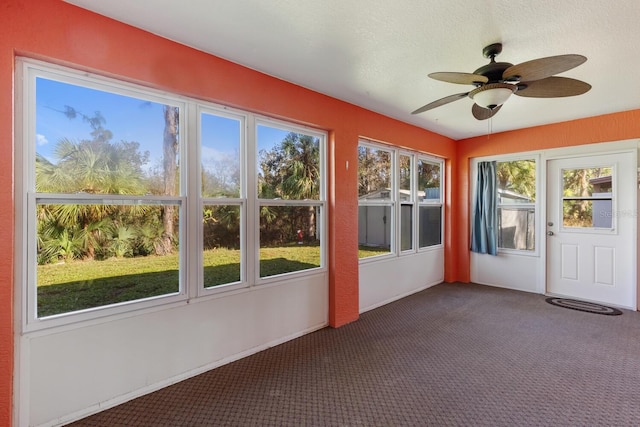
{"x":377,"y":53}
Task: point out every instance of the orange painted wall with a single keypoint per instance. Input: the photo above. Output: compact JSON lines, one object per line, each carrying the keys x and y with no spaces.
{"x":605,"y":128}
{"x":55,"y":31}
{"x":58,"y":32}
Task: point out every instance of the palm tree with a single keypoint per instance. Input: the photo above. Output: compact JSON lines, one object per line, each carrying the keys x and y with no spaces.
{"x":93,"y":167}
{"x":291,"y":171}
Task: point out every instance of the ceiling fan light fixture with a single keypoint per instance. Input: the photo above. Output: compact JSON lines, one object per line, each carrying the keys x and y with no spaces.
{"x":492,"y":95}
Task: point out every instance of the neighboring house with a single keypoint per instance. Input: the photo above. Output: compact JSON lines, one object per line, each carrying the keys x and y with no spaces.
{"x":602,"y":212}
{"x":516,"y":225}
{"x":373,"y":228}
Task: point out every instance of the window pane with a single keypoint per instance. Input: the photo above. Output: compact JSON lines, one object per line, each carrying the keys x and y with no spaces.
{"x":96,"y":255}
{"x":289,"y":239}
{"x":374,"y":230}
{"x":221,"y":244}
{"x":428,"y":181}
{"x":587,"y":200}
{"x":587,"y":213}
{"x":516,"y":228}
{"x":405,"y":178}
{"x":374,"y":173}
{"x":90,"y":141}
{"x":590,"y":182}
{"x":516,"y":181}
{"x":406,"y":227}
{"x":288,"y":165}
{"x":430,"y":223}
{"x":220,"y":156}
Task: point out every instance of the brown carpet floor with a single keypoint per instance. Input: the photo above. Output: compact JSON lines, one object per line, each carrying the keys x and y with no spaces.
{"x":452,"y":355}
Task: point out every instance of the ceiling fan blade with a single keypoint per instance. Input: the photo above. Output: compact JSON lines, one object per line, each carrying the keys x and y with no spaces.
{"x":460,"y":78}
{"x":482,"y":113}
{"x":541,"y":68}
{"x":553,"y":87}
{"x":441,"y":101}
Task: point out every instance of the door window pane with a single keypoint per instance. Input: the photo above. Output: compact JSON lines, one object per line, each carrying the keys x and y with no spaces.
{"x":588,"y":182}
{"x":587,"y":197}
{"x":587,"y":213}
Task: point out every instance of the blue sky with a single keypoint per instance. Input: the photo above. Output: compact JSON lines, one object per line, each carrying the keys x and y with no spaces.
{"x":129,"y":119}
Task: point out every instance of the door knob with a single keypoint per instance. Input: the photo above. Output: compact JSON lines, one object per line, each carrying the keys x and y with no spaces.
{"x":549,"y":233}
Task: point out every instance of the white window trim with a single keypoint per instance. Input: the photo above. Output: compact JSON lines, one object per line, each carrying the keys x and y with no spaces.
{"x":614,"y":206}
{"x":29,"y":70}
{"x":535,"y":156}
{"x":321,"y":202}
{"x":390,"y":202}
{"x":411,"y":202}
{"x":432,"y":202}
{"x":396,"y":204}
{"x":241,"y":201}
{"x":190,"y":233}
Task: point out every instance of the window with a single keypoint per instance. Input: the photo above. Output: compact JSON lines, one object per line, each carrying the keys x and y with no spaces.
{"x":223,"y":197}
{"x":412,"y":194}
{"x":587,"y":198}
{"x":516,"y":204}
{"x":112,"y":188}
{"x":405,"y":182}
{"x":376,"y":204}
{"x":103,"y":189}
{"x":290,"y":199}
{"x":430,"y":207}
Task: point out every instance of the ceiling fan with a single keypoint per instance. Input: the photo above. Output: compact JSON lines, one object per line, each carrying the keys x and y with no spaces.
{"x":497,"y":81}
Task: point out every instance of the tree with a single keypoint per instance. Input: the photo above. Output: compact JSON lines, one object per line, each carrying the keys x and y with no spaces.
{"x":374,"y":170}
{"x":518,"y":176}
{"x":93,"y":166}
{"x":221,"y":178}
{"x":428,"y":176}
{"x":291,"y":171}
{"x":170,"y":169}
{"x":577,"y":183}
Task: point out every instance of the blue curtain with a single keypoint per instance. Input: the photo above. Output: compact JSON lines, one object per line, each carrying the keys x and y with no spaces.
{"x":484,"y":239}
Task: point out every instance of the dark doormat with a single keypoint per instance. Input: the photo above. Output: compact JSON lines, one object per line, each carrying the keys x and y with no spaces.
{"x":589,"y":307}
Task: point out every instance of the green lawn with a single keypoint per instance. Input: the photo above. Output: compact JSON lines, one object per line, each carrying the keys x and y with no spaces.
{"x":79,"y":285}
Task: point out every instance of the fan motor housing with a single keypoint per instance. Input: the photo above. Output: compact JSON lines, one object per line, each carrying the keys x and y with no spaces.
{"x":493,"y":71}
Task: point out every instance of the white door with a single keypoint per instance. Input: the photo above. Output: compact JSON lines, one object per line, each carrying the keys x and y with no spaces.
{"x":591,"y":228}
